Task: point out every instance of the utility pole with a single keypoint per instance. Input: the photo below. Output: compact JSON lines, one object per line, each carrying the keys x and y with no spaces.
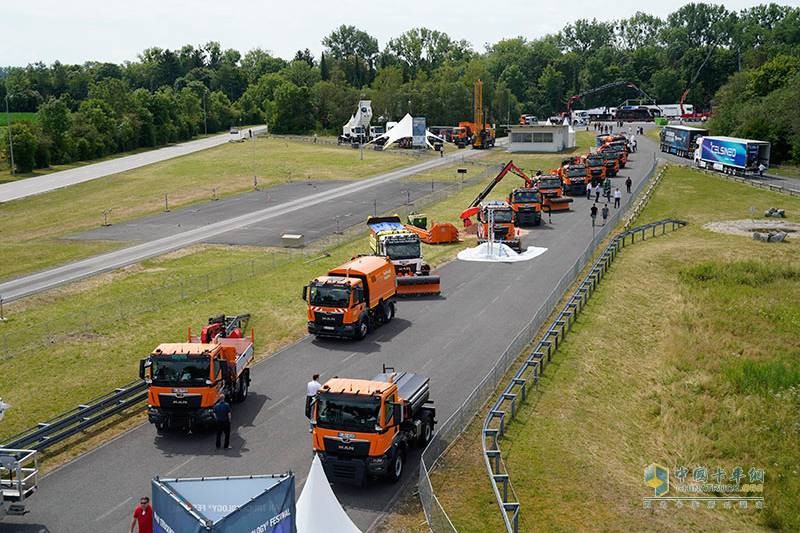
{"x":205,"y":115}
{"x":10,"y":140}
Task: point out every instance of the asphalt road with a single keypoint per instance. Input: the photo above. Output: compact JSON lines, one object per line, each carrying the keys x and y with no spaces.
{"x":454,"y":340}
{"x":365,"y":189}
{"x":41,"y":184}
{"x":781,"y":181}
{"x":325,"y":219}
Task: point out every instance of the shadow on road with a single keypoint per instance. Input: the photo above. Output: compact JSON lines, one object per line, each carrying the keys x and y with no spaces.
{"x":23,"y":528}
{"x":367,"y":345}
{"x":201,"y":441}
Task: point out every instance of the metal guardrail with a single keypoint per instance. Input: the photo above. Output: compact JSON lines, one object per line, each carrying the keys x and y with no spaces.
{"x":642,"y":201}
{"x":55,"y":430}
{"x":527,"y":376}
{"x":452,"y":428}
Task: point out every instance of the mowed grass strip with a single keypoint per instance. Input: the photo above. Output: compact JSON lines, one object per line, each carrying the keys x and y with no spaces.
{"x":79,"y":341}
{"x":687,"y":355}
{"x":33,"y":227}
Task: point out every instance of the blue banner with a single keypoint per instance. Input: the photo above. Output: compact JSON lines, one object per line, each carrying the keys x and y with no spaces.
{"x":729,"y":153}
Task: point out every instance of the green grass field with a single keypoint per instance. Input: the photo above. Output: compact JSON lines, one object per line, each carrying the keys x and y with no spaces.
{"x":96,"y":326}
{"x":687,"y":355}
{"x":33,"y":227}
{"x":18,"y":117}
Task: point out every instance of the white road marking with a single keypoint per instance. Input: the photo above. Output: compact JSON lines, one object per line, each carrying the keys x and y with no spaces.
{"x":113,"y":509}
{"x":178,"y":467}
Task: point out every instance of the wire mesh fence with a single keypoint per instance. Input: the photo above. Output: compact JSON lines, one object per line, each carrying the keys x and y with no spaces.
{"x":451,"y":429}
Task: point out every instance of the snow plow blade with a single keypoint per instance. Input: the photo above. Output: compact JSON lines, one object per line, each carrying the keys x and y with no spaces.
{"x":558,"y":203}
{"x":440,"y":233}
{"x":418,"y":285}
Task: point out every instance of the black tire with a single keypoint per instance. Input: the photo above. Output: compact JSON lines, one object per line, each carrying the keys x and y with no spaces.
{"x":244,"y":386}
{"x":396,"y":468}
{"x":160,"y":427}
{"x":389,"y":312}
{"x":361,"y":329}
{"x":426,"y":432}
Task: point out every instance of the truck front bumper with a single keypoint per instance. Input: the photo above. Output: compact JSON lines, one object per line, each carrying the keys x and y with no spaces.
{"x":354,"y":470}
{"x":346,"y":330}
{"x":180,"y":419}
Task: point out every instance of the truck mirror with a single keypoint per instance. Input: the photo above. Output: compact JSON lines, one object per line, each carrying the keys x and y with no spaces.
{"x":305,"y":291}
{"x":223,"y":366}
{"x":142,"y":363}
{"x":397,"y":413}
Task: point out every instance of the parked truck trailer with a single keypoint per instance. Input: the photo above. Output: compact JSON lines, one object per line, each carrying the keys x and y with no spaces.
{"x":731,"y":155}
{"x":680,"y":140}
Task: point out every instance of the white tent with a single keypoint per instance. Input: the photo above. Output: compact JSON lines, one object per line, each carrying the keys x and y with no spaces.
{"x":318,"y":510}
{"x":402,"y":130}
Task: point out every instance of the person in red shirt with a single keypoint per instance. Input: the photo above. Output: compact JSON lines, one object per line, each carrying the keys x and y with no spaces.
{"x":143,"y":516}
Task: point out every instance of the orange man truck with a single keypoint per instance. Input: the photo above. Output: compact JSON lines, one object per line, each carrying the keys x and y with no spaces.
{"x":364,"y":428}
{"x":353,"y":298}
{"x":552,"y":193}
{"x":185,"y":380}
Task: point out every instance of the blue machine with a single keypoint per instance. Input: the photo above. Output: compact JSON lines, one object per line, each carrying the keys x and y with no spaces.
{"x":732,"y":155}
{"x":264,"y":503}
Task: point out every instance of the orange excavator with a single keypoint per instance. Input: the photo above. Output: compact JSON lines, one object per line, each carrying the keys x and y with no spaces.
{"x":524,"y":201}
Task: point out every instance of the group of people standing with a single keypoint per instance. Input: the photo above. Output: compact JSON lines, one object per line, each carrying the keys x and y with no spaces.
{"x":594,"y":189}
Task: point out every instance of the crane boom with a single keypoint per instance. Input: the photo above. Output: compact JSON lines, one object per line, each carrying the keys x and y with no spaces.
{"x":694,"y":78}
{"x":509,"y":167}
{"x":607,"y":86}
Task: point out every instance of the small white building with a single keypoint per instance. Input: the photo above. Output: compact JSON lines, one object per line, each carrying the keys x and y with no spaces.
{"x":541,"y":137}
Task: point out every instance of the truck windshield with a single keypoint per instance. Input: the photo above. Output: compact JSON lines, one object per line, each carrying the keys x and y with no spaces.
{"x":501,"y":216}
{"x":330,"y":295}
{"x":526,"y":197}
{"x":574,"y":172}
{"x":180,"y":370}
{"x":348,"y":412}
{"x":550,"y":183}
{"x":402,"y":250}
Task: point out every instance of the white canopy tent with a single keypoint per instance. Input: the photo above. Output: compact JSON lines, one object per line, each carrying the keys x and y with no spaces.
{"x":317,"y":509}
{"x":402,"y":130}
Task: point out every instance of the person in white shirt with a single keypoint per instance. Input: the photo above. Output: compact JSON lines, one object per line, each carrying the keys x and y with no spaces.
{"x":311,"y":390}
{"x":617,"y":197}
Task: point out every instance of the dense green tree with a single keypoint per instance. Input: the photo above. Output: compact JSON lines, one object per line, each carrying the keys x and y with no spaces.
{"x":54,"y":118}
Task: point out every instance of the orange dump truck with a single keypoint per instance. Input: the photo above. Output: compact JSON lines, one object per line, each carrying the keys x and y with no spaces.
{"x":185,"y":380}
{"x":551,"y":190}
{"x":364,"y":428}
{"x":353,"y":298}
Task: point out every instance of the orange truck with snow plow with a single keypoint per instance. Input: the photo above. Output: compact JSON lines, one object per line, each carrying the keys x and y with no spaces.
{"x":365,"y":428}
{"x":353,"y":298}
{"x":185,"y":380}
{"x":551,"y":190}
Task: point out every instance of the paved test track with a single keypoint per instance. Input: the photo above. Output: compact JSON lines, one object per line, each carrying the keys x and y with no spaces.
{"x":47,"y":279}
{"x":324,"y":220}
{"x":454,"y":339}
{"x":30,"y":186}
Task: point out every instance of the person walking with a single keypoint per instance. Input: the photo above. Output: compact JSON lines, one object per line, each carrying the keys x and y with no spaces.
{"x":143,"y":516}
{"x":607,"y":190}
{"x":593,"y":213}
{"x":628,"y":183}
{"x":312,"y":388}
{"x":605,"y":213}
{"x":589,"y":190}
{"x":597,"y":193}
{"x":617,"y":197}
{"x":222,"y":413}
{"x":761,"y":169}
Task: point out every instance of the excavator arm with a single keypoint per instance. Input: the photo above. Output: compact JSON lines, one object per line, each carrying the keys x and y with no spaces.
{"x":510,"y":167}
{"x":606,"y":87}
{"x":473,"y":209}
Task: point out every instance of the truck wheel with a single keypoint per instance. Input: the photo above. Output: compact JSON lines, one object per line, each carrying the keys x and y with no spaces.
{"x":396,"y":468}
{"x":160,"y":427}
{"x":388,"y":311}
{"x":426,"y":432}
{"x":244,"y":386}
{"x":362,"y":329}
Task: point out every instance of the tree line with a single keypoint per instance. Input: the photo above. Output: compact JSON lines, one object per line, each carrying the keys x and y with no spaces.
{"x":749,"y":72}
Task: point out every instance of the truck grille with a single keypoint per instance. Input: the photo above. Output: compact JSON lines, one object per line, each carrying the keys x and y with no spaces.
{"x":343,"y":470}
{"x":526,"y":216}
{"x":349,"y":449}
{"x":173,"y":402}
{"x":500,"y":234}
{"x":328,"y":319}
